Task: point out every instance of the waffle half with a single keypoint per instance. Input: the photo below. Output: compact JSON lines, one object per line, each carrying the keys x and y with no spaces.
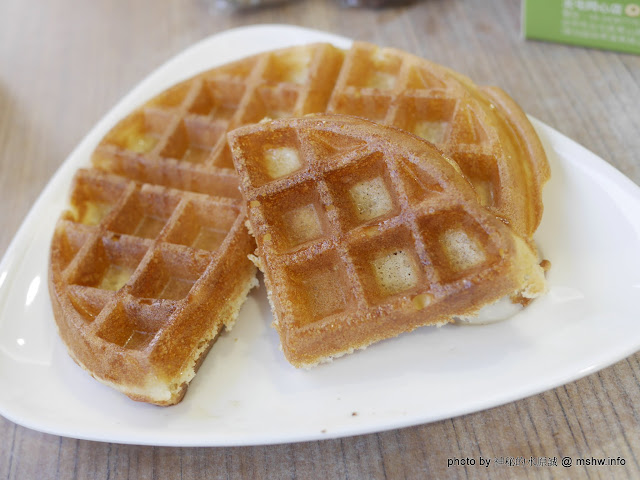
{"x":481,"y":128}
{"x":365,"y":231}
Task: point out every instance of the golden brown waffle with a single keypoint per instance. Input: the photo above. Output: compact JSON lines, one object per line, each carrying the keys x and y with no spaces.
{"x":143,"y":278}
{"x":365,"y":232}
{"x":170,"y":157}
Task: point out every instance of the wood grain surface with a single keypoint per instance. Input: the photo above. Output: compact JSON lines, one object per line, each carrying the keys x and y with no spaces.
{"x":64,"y":63}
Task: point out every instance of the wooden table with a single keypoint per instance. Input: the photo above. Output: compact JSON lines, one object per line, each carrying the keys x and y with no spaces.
{"x":64,"y":63}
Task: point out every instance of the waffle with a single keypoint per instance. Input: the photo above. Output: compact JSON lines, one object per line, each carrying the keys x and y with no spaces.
{"x":167,"y":166}
{"x":365,"y":231}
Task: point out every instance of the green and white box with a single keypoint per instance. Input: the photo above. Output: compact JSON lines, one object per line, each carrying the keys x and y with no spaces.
{"x":606,"y":24}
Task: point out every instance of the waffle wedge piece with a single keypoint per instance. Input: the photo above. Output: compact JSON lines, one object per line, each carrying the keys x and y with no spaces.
{"x":365,"y":231}
{"x":143,"y":278}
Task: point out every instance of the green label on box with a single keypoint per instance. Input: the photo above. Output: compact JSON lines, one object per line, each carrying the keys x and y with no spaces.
{"x":609,"y":24}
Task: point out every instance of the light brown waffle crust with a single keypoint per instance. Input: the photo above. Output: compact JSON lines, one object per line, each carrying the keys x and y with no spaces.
{"x":365,"y":232}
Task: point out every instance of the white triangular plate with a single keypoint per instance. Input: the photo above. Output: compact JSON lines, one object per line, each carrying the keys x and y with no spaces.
{"x":246,"y":393}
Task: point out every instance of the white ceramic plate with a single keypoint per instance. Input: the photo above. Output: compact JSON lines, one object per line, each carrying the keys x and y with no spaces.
{"x":245,"y":393}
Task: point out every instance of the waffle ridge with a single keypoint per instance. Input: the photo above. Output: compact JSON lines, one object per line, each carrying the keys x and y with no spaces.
{"x":426,"y":253}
